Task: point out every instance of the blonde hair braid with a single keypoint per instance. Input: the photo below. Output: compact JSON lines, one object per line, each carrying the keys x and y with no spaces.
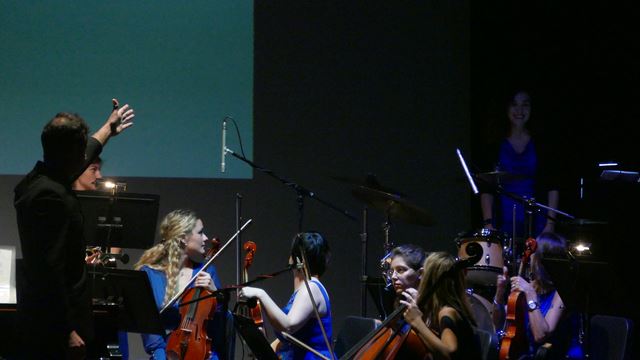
{"x":166,"y":255}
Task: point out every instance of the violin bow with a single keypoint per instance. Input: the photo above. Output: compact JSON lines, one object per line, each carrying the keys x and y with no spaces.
{"x":306,"y":277}
{"x":291,"y":338}
{"x":193,"y":278}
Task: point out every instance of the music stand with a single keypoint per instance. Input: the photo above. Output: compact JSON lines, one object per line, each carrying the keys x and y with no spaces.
{"x":383,"y":298}
{"x":125,"y":220}
{"x":258,"y":344}
{"x":127,"y":293}
{"x":589,"y":286}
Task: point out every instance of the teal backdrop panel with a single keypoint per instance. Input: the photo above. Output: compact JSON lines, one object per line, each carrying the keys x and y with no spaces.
{"x":182,"y":65}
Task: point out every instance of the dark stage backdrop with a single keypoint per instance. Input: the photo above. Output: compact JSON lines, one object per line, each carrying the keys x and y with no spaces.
{"x":339,"y":90}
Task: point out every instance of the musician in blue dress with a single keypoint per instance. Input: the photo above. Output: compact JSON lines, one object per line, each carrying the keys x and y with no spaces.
{"x":170,"y":265}
{"x":298,"y":318}
{"x":550,"y":327}
{"x":523,"y":167}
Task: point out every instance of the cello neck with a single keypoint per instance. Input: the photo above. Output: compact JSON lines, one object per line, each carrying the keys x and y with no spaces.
{"x":385,"y":324}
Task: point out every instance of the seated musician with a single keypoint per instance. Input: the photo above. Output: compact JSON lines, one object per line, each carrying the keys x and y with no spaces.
{"x":170,"y":265}
{"x":298,"y":316}
{"x":440,"y":315}
{"x":545,"y":307}
{"x":406,"y":268}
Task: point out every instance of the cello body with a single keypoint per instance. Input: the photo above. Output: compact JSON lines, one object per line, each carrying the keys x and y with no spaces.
{"x":393,"y":339}
{"x":390,"y":343}
{"x":250,"y":309}
{"x":515,"y":343}
{"x":190,"y":340}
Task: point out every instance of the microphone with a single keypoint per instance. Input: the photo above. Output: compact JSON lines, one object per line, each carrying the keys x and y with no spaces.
{"x":474,"y":250}
{"x":224,"y":143}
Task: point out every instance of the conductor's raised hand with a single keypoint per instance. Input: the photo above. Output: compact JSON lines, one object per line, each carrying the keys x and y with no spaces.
{"x":120,"y":118}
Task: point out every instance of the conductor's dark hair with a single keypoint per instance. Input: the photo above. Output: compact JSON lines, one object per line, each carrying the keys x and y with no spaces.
{"x":62,"y":135}
{"x":316,"y":250}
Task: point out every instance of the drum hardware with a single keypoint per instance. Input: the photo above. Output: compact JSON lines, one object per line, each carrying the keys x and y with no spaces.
{"x":370,"y":182}
{"x":394,"y":207}
{"x":493,"y":243}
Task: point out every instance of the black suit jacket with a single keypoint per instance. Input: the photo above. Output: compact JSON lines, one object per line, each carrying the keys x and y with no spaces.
{"x":53,"y":295}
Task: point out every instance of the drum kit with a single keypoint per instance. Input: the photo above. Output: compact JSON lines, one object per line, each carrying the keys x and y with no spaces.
{"x":497,"y":246}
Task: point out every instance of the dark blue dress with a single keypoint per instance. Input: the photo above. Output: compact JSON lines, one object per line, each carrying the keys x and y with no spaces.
{"x":564,"y":339}
{"x":525,"y":164}
{"x":310,"y":333}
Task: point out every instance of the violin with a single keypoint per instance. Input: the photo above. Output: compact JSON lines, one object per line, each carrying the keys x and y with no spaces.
{"x":394,"y":338}
{"x":514,"y":343}
{"x":190,"y":340}
{"x":250,"y":309}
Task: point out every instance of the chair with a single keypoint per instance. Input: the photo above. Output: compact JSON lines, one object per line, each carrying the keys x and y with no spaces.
{"x":610,"y":337}
{"x":488,"y":344}
{"x":354,"y":328}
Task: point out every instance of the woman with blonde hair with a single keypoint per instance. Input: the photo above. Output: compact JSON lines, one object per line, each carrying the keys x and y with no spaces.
{"x":441,"y":315}
{"x":169,"y":265}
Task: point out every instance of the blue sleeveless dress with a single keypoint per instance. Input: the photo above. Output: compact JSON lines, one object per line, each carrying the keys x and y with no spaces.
{"x":574,"y":349}
{"x":310,"y":333}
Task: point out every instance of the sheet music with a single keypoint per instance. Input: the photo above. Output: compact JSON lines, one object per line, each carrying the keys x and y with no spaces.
{"x":7,"y":275}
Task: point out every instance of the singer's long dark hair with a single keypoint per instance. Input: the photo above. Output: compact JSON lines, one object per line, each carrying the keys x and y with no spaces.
{"x":449,"y":291}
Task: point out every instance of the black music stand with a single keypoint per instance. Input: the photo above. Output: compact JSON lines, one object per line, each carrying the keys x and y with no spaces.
{"x":125,"y":220}
{"x":128,"y":295}
{"x":589,"y":286}
{"x":258,"y":344}
{"x":383,"y":297}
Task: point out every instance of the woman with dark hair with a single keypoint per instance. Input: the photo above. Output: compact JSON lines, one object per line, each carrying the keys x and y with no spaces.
{"x":298,"y":316}
{"x":441,"y":314}
{"x":545,"y":307}
{"x":521,"y":167}
{"x":405,"y":270}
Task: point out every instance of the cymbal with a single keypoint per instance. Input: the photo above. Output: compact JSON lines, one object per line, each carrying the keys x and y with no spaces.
{"x":580,"y":222}
{"x":495,"y":176}
{"x":369,"y":181}
{"x":393,"y":206}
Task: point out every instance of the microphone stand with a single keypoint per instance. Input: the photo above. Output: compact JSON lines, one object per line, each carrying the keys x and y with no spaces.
{"x":301,"y":191}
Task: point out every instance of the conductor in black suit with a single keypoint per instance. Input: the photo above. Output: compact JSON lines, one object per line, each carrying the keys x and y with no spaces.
{"x":54,"y":306}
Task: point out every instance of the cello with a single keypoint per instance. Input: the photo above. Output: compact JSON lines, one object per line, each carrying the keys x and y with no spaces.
{"x":190,"y":340}
{"x":514,"y":343}
{"x":250,"y":309}
{"x":394,"y":338}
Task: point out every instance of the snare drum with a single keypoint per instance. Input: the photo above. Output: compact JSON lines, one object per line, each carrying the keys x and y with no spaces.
{"x":486,"y":270}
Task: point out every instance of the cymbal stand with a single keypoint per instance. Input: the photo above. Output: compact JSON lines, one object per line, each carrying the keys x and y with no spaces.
{"x":363,"y":269}
{"x":385,"y":262}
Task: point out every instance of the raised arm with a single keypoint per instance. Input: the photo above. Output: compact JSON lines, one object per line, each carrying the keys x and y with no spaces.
{"x":119,"y":120}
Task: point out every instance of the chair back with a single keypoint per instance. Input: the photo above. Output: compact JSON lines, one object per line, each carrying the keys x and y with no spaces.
{"x":610,"y":337}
